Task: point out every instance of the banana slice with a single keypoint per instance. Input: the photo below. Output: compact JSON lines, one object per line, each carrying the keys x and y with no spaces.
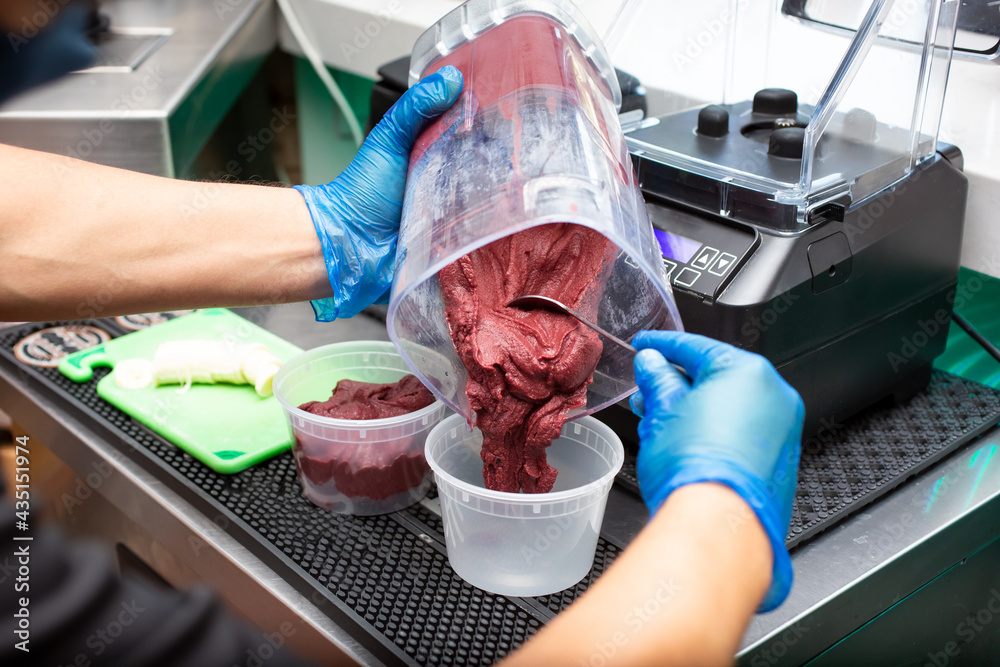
{"x":259,"y":366}
{"x":187,"y":362}
{"x":264,"y":379}
{"x":134,"y":373}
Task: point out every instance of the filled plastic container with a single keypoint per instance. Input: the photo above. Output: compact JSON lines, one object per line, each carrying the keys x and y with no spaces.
{"x":524,"y":544}
{"x":534,"y":139}
{"x":368,"y":466}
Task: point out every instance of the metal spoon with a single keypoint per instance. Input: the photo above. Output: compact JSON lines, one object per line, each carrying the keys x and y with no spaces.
{"x":529,"y":301}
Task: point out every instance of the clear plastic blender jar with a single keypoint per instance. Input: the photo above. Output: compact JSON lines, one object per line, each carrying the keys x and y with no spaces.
{"x":533,"y":140}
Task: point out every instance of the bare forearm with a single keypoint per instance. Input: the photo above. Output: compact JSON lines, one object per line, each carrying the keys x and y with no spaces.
{"x":82,"y":240}
{"x":681,"y":594}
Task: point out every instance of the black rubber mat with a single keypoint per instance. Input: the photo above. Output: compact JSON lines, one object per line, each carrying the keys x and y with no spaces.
{"x":387,"y":578}
{"x":882,"y":448}
{"x":850,"y":465}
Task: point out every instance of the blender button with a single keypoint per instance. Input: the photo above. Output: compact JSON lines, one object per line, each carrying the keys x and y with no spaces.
{"x":668,"y":267}
{"x":705,"y":258}
{"x":687,"y":277}
{"x":723,"y":264}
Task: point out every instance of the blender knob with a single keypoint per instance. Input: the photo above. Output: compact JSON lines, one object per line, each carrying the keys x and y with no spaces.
{"x":713,"y":121}
{"x":787,"y":142}
{"x":776,"y":102}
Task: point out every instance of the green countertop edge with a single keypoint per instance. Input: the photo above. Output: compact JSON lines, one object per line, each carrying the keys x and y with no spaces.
{"x":978,"y":299}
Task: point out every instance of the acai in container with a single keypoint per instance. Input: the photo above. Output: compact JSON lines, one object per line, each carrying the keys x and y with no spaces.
{"x":534,"y":139}
{"x":355,"y":466}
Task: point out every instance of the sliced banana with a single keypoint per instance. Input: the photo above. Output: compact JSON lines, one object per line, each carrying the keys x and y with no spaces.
{"x":187,"y":362}
{"x":134,"y":373}
{"x":259,"y":366}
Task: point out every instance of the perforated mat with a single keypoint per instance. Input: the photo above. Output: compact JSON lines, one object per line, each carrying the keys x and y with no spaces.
{"x":388,"y":579}
{"x":848,"y":466}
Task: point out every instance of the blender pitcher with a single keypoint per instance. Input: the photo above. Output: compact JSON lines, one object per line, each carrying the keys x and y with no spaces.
{"x":534,"y":139}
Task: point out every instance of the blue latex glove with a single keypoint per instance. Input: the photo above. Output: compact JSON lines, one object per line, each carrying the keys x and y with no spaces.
{"x":357,"y":215}
{"x":736,"y":422}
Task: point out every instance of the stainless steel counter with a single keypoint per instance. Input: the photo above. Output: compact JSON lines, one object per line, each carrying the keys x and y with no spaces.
{"x":866,"y":564}
{"x":156,"y":117}
{"x":844,"y":577}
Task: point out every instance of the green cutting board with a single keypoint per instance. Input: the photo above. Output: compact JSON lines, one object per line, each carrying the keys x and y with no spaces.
{"x":227,"y":427}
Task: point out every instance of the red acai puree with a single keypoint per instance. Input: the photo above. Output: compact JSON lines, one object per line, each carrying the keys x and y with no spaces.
{"x":375,"y":471}
{"x":527,"y":369}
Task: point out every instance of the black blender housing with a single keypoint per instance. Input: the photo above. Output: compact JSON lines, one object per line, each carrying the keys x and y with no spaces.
{"x":824,"y":236}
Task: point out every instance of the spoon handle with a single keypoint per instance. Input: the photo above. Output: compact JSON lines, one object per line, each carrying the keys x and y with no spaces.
{"x":614,"y":339}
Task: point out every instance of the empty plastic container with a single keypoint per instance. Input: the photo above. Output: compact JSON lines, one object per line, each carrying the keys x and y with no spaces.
{"x":524,"y":544}
{"x":534,"y":139}
{"x":368,"y":466}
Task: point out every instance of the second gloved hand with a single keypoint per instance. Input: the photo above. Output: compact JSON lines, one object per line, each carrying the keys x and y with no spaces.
{"x":735,"y":422}
{"x":357,"y":215}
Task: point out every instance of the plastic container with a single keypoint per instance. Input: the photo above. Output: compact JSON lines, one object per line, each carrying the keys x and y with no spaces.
{"x":534,"y":139}
{"x":369,"y":466}
{"x":524,"y":544}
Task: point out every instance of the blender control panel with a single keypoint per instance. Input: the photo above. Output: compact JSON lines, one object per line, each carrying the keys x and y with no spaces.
{"x":700,"y":255}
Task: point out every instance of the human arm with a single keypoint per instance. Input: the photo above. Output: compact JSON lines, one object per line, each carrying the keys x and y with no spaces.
{"x":83,"y":240}
{"x":717,"y":466}
{"x":681,"y":594}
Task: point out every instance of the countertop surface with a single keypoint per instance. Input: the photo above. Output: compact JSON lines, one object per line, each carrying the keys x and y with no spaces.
{"x":844,"y":576}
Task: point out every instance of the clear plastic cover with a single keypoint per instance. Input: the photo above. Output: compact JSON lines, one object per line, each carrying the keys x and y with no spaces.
{"x":873,"y":92}
{"x":534,"y":140}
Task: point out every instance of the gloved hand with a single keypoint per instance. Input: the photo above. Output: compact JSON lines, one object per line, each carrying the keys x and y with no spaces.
{"x":736,"y":422}
{"x":357,"y":215}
